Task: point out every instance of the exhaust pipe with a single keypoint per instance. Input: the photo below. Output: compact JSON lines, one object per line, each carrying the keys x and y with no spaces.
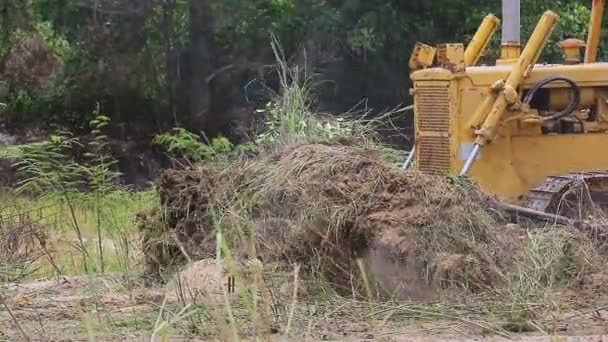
{"x":511,"y":30}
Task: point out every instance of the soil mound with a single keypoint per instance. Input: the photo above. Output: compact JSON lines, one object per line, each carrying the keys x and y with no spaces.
{"x":328,"y":206}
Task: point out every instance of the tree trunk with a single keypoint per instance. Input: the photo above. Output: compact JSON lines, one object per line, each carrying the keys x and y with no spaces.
{"x":200,"y":59}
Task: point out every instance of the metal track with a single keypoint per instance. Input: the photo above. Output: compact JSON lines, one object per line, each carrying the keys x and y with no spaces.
{"x":547,"y":197}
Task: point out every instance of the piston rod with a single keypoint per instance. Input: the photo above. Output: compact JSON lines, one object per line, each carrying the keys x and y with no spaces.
{"x":410,"y":158}
{"x":470,"y":160}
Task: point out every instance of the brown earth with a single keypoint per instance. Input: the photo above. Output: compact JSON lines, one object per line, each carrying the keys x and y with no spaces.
{"x":365,"y":228}
{"x":328,"y":207}
{"x":110,"y":309}
{"x":337,"y":204}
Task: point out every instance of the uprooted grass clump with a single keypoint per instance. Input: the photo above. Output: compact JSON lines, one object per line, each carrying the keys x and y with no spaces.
{"x":342,"y":212}
{"x":326,"y":206}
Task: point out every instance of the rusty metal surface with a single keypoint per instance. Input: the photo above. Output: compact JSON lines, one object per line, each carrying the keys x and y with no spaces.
{"x":562,"y":194}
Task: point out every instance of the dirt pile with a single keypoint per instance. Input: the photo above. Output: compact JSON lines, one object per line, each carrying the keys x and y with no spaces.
{"x":326,"y":206}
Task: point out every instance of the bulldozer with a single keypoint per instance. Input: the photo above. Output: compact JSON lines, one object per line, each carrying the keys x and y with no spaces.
{"x":532,"y":134}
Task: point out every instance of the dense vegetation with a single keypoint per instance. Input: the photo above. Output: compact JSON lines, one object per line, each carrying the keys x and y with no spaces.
{"x":153,"y":64}
{"x":94,"y":74}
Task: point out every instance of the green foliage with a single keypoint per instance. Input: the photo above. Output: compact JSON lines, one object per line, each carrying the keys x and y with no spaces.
{"x":19,"y":101}
{"x":51,"y":173}
{"x":167,"y":33}
{"x":574,"y":23}
{"x":46,"y":166}
{"x":187,"y":145}
{"x":50,"y":166}
{"x":56,"y":42}
{"x":27,"y":224}
{"x":242,"y":26}
{"x":100,"y":172}
{"x":136,"y":59}
{"x":289,"y":117}
{"x":74,"y":91}
{"x":286,"y":125}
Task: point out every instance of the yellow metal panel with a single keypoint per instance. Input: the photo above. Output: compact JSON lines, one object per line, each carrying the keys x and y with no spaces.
{"x":434,"y":154}
{"x":433,"y":126}
{"x":513,"y":166}
{"x":595,"y":31}
{"x":481,"y":39}
{"x":585,"y":75}
{"x":451,"y":57}
{"x":433,"y":101}
{"x":520,"y":158}
{"x":422,"y":56}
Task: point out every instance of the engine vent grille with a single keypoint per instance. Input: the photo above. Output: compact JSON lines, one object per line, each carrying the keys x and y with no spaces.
{"x":433,"y":125}
{"x":433,"y":104}
{"x":434,"y":154}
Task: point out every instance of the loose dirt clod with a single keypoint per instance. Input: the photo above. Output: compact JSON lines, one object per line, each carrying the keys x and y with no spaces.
{"x":200,"y":280}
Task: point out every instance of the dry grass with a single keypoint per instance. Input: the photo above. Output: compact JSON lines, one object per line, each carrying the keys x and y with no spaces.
{"x":382,"y":246}
{"x":324,"y":205}
{"x":22,"y":243}
{"x":323,"y":239}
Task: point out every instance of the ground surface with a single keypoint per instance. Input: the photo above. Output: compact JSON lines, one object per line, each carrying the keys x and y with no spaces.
{"x":105,"y":309}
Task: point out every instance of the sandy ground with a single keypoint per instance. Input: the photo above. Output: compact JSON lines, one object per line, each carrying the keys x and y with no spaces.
{"x":104,"y":309}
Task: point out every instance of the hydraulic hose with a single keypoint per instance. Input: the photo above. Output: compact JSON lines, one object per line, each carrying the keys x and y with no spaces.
{"x":574,"y":103}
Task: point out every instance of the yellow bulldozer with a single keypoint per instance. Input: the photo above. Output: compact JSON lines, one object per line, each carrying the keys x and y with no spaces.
{"x":534,"y":135}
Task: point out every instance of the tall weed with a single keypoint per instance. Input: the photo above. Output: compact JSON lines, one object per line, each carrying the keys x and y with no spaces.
{"x":57,"y":190}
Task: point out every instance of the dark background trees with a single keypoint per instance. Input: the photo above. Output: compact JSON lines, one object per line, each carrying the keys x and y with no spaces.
{"x":153,"y":64}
